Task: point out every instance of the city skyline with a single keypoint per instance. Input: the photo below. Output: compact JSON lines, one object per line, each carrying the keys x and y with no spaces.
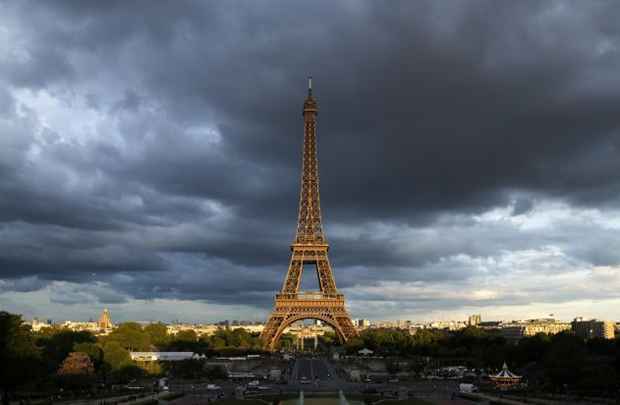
{"x":149,"y":157}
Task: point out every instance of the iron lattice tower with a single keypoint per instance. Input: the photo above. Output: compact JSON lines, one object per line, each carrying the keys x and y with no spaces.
{"x":309,"y":248}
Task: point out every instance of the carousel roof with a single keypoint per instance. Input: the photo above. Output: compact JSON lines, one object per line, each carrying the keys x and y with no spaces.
{"x":505,"y":374}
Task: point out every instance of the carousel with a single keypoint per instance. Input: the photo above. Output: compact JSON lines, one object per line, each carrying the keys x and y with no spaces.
{"x":505,"y":379}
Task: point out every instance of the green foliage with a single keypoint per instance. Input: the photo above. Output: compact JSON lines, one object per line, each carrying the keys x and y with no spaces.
{"x":158,"y":333}
{"x":565,"y":360}
{"x":532,"y":348}
{"x":130,"y":336}
{"x":57,"y":346}
{"x":115,"y":356}
{"x":19,"y":356}
{"x":186,"y":336}
{"x":94,"y":352}
{"x":188,"y":341}
{"x":328,"y":338}
{"x":128,"y":373}
{"x":395,"y":342}
{"x":223,"y":341}
{"x":238,"y":338}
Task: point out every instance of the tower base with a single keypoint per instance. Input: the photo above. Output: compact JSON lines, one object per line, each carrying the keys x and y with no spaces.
{"x":291,"y":308}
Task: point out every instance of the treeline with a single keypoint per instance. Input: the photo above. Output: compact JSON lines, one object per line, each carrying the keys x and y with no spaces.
{"x":57,"y":357}
{"x":553,"y":361}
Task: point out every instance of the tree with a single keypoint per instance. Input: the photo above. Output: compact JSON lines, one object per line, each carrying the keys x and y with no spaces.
{"x":77,"y":363}
{"x":185,"y":341}
{"x":158,"y":333}
{"x":115,"y":356}
{"x":532,"y":348}
{"x":354,"y":344}
{"x":287,"y":340}
{"x":94,"y":352}
{"x":217,"y":342}
{"x":130,"y":336}
{"x":129,"y":372}
{"x":186,"y":336}
{"x":76,"y":370}
{"x":565,"y":360}
{"x":57,"y":346}
{"x":19,"y":357}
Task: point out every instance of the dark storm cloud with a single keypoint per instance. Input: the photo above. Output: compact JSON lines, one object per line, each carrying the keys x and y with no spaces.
{"x":426,"y":108}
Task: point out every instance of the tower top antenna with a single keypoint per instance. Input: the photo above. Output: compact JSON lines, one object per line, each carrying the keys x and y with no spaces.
{"x":309,"y":84}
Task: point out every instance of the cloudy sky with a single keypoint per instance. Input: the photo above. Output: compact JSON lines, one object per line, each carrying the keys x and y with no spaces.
{"x":469,"y":156}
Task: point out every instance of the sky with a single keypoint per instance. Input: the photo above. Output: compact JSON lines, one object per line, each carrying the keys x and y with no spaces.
{"x":468,"y":152}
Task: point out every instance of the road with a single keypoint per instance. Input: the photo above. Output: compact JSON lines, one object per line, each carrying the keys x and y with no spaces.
{"x":310,"y":370}
{"x":311,"y":374}
{"x":316,"y":374}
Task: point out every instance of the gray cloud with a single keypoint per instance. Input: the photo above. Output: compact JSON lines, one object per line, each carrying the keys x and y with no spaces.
{"x":156,"y":146}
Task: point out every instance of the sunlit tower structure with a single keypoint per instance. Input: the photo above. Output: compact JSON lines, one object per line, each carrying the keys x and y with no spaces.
{"x":309,"y":249}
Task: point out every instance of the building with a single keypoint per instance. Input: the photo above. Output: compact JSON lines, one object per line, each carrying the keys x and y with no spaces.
{"x":81,"y":326}
{"x":531,"y":327}
{"x":162,"y":356}
{"x":446,"y":325}
{"x":37,"y":325}
{"x":363,"y":323}
{"x":490,"y":325}
{"x":474,"y":320}
{"x":105,"y":321}
{"x":208,"y":330}
{"x":593,"y":328}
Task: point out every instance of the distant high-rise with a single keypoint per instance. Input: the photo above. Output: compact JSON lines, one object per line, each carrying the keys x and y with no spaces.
{"x":593,"y":329}
{"x":363,"y":323}
{"x":474,"y":320}
{"x":105,"y":321}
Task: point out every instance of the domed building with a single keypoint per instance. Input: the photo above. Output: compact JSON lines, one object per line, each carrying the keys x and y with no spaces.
{"x":105,"y":321}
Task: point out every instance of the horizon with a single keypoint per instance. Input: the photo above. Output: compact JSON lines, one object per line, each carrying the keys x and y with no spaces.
{"x":262,"y":321}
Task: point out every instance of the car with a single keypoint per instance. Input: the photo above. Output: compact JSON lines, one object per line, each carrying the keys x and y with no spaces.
{"x":213,"y":387}
{"x":467,"y":388}
{"x":304,"y":380}
{"x":393,"y":380}
{"x":254,"y":383}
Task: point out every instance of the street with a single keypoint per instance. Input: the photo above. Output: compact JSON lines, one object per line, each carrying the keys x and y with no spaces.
{"x":314,"y":374}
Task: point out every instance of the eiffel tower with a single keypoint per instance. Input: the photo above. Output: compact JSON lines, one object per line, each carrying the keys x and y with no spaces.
{"x":309,"y":248}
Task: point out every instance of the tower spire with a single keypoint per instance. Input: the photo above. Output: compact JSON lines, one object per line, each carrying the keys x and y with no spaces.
{"x":309,"y":228}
